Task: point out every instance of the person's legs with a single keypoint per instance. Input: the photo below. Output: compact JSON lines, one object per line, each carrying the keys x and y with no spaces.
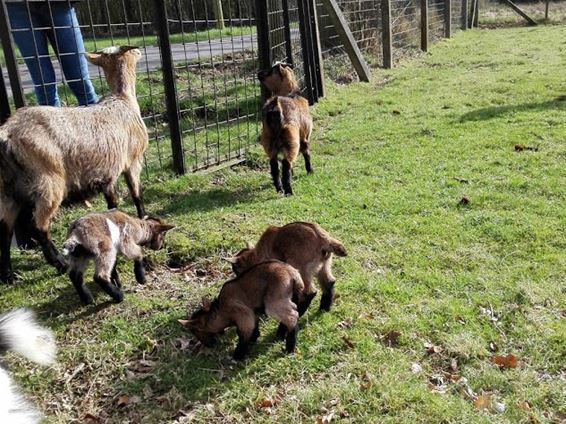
{"x":68,"y":42}
{"x":33,"y":47}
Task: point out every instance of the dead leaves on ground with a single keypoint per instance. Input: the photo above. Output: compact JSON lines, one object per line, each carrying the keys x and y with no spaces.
{"x":508,"y":361}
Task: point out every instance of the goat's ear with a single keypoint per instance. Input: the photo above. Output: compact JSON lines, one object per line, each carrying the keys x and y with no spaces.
{"x":163,"y":228}
{"x":93,"y":58}
{"x":231,"y":260}
{"x":206,"y":304}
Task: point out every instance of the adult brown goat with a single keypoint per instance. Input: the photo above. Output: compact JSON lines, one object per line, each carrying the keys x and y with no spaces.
{"x":49,"y":155}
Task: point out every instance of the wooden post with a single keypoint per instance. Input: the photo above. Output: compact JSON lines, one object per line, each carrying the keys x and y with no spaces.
{"x":318,"y":62}
{"x":424,"y":25}
{"x":350,"y":45}
{"x":476,"y":14}
{"x":218,"y":13}
{"x":520,"y":12}
{"x":464,"y":14}
{"x":306,"y":47}
{"x":386,"y":35}
{"x":448,"y":18}
{"x":546,"y":10}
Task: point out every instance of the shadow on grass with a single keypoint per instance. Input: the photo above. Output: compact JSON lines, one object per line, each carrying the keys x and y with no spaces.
{"x":184,"y":372}
{"x":202,"y":200}
{"x":496,"y":111}
{"x":68,"y":308}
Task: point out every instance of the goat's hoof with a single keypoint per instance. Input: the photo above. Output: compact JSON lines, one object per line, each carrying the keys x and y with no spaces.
{"x":7,"y":277}
{"x":238,"y":356}
{"x":61,"y":267}
{"x":281,"y":332}
{"x":88,"y":301}
{"x":118,"y":298}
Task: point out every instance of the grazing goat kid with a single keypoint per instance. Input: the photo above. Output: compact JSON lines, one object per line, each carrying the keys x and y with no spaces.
{"x":287,"y":124}
{"x":303,"y":245}
{"x":102,"y":236}
{"x":49,"y":155}
{"x":271,"y":287}
{"x":20,"y":333}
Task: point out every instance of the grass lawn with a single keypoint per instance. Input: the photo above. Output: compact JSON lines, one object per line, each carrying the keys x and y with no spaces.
{"x":432,"y":290}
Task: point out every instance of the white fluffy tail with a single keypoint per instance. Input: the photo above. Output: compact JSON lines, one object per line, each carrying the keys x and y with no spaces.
{"x":20,"y":333}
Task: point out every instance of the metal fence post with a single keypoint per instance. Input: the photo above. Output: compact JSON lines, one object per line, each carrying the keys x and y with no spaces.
{"x":386,"y":35}
{"x":447,"y":18}
{"x":169,"y":85}
{"x":287,"y":29}
{"x":4,"y":101}
{"x":263,"y":40}
{"x":10,"y":57}
{"x":306,"y":45}
{"x":424,"y":25}
{"x":464,"y":14}
{"x":317,"y":50}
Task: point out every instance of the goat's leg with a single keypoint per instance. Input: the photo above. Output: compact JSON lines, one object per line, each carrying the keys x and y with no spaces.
{"x":286,"y":177}
{"x":255,"y":333}
{"x":291,"y":339}
{"x":274,"y":169}
{"x":246,"y":324}
{"x":9,"y":211}
{"x":114,"y":277}
{"x":45,"y":209}
{"x":104,"y":263}
{"x":76,"y":275}
{"x":307,"y":155}
{"x":110,"y":196}
{"x":6,"y":232}
{"x":22,"y":229}
{"x":139,"y":271}
{"x":326,"y":281}
{"x":132,"y":177}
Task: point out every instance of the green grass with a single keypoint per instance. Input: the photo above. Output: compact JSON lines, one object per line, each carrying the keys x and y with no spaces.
{"x":392,"y":160}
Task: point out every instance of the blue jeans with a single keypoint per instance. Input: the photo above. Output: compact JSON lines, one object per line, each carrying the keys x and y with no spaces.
{"x":58,"y":24}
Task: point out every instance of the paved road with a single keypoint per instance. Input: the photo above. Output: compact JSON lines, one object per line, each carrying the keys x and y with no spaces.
{"x":151,"y":58}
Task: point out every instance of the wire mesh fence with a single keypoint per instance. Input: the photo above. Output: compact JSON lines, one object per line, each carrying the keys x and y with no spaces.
{"x":196,"y":80}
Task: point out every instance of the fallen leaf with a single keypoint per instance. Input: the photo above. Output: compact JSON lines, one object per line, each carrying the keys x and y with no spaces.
{"x":416,"y":368}
{"x":432,"y":349}
{"x":509,"y":361}
{"x":391,"y":339}
{"x":266,"y":403}
{"x":122,"y":401}
{"x":92,"y":419}
{"x":483,"y":402}
{"x":493,"y":346}
{"x":345,"y":324}
{"x":524,"y":405}
{"x":348,"y":342}
{"x":325,"y":419}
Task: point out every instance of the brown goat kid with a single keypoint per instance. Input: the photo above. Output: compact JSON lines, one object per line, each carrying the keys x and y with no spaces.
{"x":287,"y":124}
{"x":271,"y":287}
{"x":49,"y":155}
{"x":102,"y":237}
{"x":303,"y":245}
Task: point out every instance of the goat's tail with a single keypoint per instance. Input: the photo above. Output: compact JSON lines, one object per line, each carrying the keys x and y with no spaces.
{"x":334,"y":246}
{"x":20,"y":333}
{"x":298,"y":285}
{"x":273,"y":115}
{"x":71,"y":246}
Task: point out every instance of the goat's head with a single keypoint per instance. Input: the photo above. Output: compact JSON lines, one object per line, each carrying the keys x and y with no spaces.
{"x":118,"y":63}
{"x":280,"y":79}
{"x":157,"y":229}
